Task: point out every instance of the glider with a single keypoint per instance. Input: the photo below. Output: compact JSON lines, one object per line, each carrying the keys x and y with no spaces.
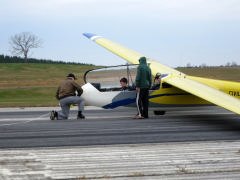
{"x":186,"y":91}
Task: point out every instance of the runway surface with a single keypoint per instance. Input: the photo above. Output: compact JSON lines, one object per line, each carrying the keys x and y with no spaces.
{"x":33,"y":128}
{"x":110,"y":144}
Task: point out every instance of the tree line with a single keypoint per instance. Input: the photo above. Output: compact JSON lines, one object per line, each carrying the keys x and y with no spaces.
{"x":16,"y":59}
{"x":204,"y":65}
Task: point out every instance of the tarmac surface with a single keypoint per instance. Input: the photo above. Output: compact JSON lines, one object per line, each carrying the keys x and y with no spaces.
{"x":109,"y":144}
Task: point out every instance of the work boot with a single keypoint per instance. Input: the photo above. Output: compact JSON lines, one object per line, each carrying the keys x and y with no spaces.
{"x":54,"y":115}
{"x":80,"y":115}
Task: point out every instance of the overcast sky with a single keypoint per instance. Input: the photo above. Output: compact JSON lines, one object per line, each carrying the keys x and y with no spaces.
{"x":174,"y":32}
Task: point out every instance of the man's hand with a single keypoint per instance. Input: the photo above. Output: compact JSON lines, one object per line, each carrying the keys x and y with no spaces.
{"x":137,"y":88}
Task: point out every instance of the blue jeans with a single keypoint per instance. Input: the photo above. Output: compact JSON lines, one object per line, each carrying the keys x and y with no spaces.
{"x":65,"y":105}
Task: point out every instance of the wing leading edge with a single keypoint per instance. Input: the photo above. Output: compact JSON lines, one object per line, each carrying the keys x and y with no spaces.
{"x":177,"y":78}
{"x":129,"y":54}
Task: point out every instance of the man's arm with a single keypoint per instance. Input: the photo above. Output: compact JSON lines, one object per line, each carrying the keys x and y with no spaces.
{"x":150,"y":78}
{"x":138,"y":78}
{"x":78,"y":88}
{"x":57,"y":94}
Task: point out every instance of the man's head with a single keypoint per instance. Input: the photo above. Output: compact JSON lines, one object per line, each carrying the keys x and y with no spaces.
{"x":143,"y":60}
{"x":71,"y":76}
{"x":123,"y":82}
{"x":158,"y":77}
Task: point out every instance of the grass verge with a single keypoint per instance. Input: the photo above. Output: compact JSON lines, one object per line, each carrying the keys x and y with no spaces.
{"x":28,"y":97}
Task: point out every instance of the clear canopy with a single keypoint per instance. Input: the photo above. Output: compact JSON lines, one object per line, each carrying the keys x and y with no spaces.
{"x":110,"y":76}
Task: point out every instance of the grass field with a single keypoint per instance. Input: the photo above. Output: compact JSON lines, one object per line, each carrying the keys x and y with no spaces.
{"x":40,"y":81}
{"x":18,"y":75}
{"x":30,"y":97}
{"x":221,"y":73}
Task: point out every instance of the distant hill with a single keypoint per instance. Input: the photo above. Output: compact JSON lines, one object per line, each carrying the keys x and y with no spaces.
{"x":221,"y":73}
{"x":16,"y":59}
{"x":35,"y":84}
{"x":38,"y":74}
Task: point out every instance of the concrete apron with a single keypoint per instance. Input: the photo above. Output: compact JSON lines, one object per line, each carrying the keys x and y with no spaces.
{"x":191,"y":160}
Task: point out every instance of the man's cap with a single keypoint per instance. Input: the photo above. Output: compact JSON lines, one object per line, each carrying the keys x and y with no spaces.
{"x":157,"y":75}
{"x":71,"y":75}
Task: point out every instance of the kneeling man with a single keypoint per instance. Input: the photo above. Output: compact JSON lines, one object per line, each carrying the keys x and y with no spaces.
{"x":66,"y":94}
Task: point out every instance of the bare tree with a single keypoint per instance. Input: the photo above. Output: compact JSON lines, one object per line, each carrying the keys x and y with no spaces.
{"x":234,"y":64}
{"x":23,"y":42}
{"x":189,"y":65}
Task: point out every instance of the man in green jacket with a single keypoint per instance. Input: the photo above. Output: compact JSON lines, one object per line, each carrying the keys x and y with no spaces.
{"x":143,"y":83}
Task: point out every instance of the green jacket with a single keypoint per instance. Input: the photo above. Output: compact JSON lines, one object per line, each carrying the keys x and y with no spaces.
{"x":144,"y":74}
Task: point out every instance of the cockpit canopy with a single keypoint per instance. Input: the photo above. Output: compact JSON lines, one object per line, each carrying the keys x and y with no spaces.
{"x":108,"y":78}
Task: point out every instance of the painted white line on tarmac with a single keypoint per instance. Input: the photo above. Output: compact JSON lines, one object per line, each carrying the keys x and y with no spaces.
{"x":46,"y":117}
{"x":24,"y":109}
{"x":25,"y":120}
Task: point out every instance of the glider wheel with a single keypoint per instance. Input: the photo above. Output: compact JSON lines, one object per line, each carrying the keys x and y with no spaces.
{"x":159,"y":112}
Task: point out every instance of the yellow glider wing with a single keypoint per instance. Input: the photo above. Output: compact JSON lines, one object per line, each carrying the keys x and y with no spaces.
{"x":205,"y":92}
{"x":130,"y":55}
{"x":176,"y":79}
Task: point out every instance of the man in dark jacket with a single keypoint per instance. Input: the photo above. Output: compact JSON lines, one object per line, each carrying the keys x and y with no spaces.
{"x":143,"y":83}
{"x":66,"y":94}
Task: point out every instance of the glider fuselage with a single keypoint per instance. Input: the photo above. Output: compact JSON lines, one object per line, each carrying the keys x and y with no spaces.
{"x":165,"y":99}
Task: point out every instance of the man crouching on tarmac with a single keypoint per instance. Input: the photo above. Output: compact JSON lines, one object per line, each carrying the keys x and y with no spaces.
{"x":66,"y":94}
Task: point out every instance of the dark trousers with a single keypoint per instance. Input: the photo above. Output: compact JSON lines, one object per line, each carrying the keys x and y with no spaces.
{"x":142,"y":102}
